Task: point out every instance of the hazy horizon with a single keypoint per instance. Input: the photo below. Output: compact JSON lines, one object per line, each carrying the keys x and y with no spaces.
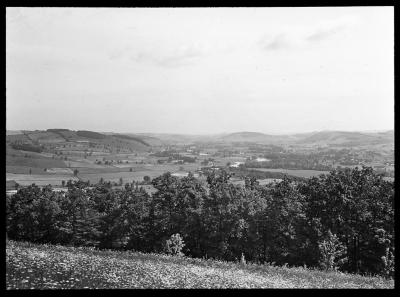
{"x":209,"y":134}
{"x":200,"y":71}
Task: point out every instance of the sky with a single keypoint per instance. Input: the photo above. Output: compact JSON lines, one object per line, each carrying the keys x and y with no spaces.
{"x":200,"y":70}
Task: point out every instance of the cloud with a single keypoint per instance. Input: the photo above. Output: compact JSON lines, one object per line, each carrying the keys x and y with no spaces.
{"x":279,"y":42}
{"x":329,"y":28}
{"x":301,"y":36}
{"x":164,"y":57}
{"x":181,"y":56}
{"x":322,"y":34}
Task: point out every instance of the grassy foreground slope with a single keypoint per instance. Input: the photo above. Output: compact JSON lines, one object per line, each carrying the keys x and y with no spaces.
{"x":55,"y":267}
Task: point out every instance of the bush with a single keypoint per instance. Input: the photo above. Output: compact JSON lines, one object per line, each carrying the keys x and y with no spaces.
{"x":388,"y":263}
{"x":174,"y":245}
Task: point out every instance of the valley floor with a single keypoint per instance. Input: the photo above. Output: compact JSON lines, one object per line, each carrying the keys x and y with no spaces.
{"x":32,"y":266}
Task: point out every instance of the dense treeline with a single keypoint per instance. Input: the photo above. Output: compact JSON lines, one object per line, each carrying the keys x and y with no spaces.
{"x":243,"y":172}
{"x":122,"y":136}
{"x":27,"y":147}
{"x":174,"y":155}
{"x":342,"y":220}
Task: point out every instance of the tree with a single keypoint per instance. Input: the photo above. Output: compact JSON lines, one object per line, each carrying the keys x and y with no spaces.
{"x":331,"y":251}
{"x":353,"y":204}
{"x":32,"y":214}
{"x":323,"y":221}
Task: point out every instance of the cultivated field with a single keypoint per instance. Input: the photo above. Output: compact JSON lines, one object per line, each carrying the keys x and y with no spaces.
{"x":294,"y":172}
{"x":138,"y":172}
{"x":31,"y":266}
{"x":115,"y":176}
{"x":39,"y":179}
{"x":25,"y":170}
{"x":34,"y":162}
{"x":262,"y":182}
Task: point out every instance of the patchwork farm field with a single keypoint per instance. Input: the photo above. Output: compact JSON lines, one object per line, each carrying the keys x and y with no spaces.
{"x":46,"y":137}
{"x":25,"y":170}
{"x":294,"y":172}
{"x":115,"y":176}
{"x":32,"y":266}
{"x":83,"y":164}
{"x":34,"y":162}
{"x":114,"y":173}
{"x":260,"y":181}
{"x":39,"y":179}
{"x":45,"y":170}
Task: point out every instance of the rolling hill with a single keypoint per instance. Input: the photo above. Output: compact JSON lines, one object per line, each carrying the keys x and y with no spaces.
{"x":60,"y":136}
{"x":143,"y":141}
{"x":256,"y":137}
{"x":348,"y":138}
{"x":342,"y":138}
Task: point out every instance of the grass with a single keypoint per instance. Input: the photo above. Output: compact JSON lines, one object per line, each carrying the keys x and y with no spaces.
{"x":32,"y":266}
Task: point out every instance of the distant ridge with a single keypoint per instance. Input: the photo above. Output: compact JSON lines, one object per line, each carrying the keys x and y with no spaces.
{"x":61,"y":135}
{"x":145,"y":140}
{"x":321,"y":137}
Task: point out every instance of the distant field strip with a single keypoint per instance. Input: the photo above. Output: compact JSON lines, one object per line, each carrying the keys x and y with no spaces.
{"x":40,"y":180}
{"x":260,"y":181}
{"x":115,"y":176}
{"x":34,"y":162}
{"x":294,"y":172}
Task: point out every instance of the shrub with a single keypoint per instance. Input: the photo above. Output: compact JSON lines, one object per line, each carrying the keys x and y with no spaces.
{"x":242,"y":260}
{"x":388,"y":263}
{"x":174,"y":245}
